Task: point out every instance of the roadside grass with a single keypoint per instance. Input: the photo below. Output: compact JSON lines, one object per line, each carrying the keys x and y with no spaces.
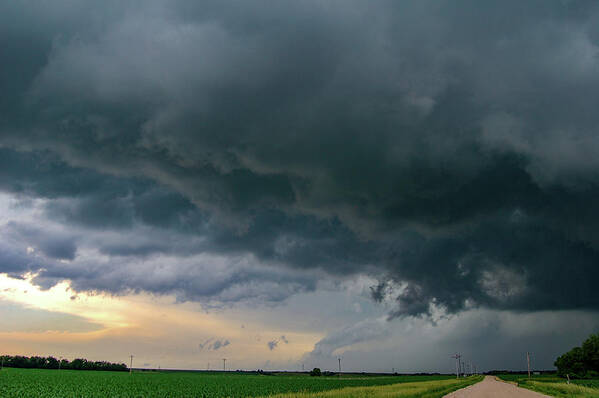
{"x":561,"y":389}
{"x":421,"y":389}
{"x":556,"y":386}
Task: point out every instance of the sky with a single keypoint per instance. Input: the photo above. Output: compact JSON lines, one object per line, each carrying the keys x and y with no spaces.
{"x":287,"y":183}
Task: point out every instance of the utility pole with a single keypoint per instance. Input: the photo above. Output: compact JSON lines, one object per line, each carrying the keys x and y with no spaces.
{"x":457,"y":365}
{"x":59,"y":362}
{"x":131,"y":365}
{"x":208,"y":365}
{"x":339,"y":359}
{"x":224,"y":364}
{"x":302,"y":367}
{"x":528,"y":362}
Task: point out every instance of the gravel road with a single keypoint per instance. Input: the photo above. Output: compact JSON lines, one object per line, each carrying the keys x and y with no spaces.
{"x":491,"y":388}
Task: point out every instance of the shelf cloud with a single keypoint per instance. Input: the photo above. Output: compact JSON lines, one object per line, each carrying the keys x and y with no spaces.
{"x":233,"y":151}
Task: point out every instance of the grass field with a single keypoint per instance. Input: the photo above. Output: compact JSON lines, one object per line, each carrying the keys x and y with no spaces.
{"x":72,"y":383}
{"x":556,"y":386}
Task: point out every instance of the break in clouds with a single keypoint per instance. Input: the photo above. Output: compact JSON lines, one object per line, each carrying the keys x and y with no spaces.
{"x":233,"y":151}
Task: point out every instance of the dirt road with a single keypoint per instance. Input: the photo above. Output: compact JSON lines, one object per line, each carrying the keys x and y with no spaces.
{"x":491,"y":388}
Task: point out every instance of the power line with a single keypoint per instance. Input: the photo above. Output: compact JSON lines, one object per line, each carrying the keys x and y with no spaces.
{"x":457,"y":364}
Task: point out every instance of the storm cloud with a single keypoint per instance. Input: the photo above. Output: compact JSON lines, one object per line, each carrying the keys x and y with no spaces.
{"x":227,"y":151}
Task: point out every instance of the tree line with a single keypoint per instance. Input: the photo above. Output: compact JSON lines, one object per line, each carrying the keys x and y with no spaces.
{"x":50,"y":362}
{"x":580,"y":362}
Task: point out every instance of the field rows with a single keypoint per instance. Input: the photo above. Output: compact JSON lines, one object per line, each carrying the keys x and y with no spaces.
{"x":70,"y":383}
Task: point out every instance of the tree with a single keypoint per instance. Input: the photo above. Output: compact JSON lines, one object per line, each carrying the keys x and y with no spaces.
{"x":315,"y":372}
{"x":582,"y":361}
{"x":590,"y":349}
{"x":65,"y":364}
{"x":78,"y":363}
{"x":52,"y":363}
{"x":571,"y":363}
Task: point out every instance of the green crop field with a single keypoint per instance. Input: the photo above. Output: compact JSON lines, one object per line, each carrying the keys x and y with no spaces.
{"x":556,"y":386}
{"x":73,"y":383}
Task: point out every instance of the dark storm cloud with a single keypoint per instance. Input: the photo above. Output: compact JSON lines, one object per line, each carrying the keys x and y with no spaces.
{"x":57,"y":246}
{"x":213,"y":280}
{"x":447,"y":149}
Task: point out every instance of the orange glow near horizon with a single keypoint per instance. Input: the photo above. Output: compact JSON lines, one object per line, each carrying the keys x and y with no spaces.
{"x":156,"y":328}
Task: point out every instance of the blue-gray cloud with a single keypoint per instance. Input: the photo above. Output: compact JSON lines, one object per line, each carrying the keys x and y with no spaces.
{"x":272,"y":344}
{"x":213,"y":344}
{"x":448,"y":150}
